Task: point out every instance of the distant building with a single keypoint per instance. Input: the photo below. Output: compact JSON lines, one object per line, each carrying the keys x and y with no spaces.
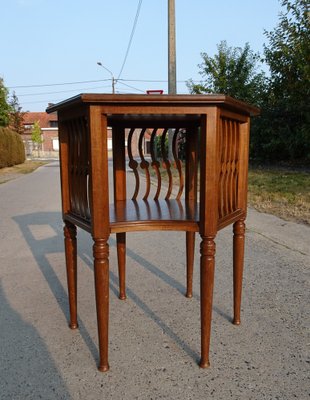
{"x":50,"y":146}
{"x":49,"y":128}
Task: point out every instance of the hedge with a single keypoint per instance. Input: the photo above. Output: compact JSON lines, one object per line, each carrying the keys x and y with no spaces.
{"x":12,"y":149}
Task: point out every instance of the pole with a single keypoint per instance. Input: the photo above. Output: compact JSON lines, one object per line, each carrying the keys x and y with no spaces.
{"x":172,"y":71}
{"x":172,"y":75}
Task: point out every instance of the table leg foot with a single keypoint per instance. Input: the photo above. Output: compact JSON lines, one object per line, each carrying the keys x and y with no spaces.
{"x":204,"y":364}
{"x":103,"y":368}
{"x":73,"y":326}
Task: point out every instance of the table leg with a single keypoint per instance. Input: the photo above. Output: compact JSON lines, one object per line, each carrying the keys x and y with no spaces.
{"x":121,"y":257}
{"x":101,"y":269}
{"x":71,"y":266}
{"x":207,"y":264}
{"x":190,"y":246}
{"x":238,"y":260}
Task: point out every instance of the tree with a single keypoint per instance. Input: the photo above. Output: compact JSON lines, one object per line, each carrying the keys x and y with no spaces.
{"x":16,"y":115}
{"x":36,"y":136}
{"x":232,"y":71}
{"x":285,"y":123}
{"x":4,"y":106}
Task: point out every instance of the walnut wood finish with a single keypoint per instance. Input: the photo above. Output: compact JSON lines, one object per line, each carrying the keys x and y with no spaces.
{"x":71,"y":264}
{"x":215,"y":129}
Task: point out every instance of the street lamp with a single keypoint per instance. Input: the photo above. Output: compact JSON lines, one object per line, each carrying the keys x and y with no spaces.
{"x":113,"y":79}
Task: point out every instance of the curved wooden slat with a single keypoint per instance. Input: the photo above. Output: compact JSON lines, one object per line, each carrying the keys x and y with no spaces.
{"x":155,"y":163}
{"x":166,"y":163}
{"x":144,"y":164}
{"x":73,"y":167}
{"x":231,"y":128}
{"x":178,"y":163}
{"x":225,"y":167}
{"x":133,"y":164}
{"x":236,"y":167}
{"x":84,"y":167}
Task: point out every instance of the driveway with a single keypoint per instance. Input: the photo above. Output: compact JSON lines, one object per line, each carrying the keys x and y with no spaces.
{"x":154,"y":334}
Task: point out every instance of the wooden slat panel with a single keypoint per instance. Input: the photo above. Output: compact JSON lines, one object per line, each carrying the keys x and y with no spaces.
{"x":78,"y":167}
{"x":229,"y":172}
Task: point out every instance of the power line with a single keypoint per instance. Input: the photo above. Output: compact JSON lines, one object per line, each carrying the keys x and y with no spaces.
{"x":131,"y":37}
{"x":93,"y":81}
{"x":56,"y":84}
{"x":61,"y":91}
{"x":131,"y":87}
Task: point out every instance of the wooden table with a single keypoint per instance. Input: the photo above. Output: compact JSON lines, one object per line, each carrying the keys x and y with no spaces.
{"x":212,"y":134}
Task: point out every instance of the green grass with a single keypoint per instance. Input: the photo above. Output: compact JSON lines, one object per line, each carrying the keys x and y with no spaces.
{"x":280,"y":192}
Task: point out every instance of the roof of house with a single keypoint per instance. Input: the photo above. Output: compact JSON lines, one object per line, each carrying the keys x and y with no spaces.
{"x":42,"y":117}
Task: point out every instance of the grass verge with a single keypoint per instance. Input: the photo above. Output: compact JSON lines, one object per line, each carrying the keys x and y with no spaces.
{"x":280,"y":192}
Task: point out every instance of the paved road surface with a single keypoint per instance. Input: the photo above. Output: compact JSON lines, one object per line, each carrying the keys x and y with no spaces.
{"x":154,"y":334}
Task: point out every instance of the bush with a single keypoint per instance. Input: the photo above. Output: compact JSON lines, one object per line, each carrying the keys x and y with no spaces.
{"x":12,"y":149}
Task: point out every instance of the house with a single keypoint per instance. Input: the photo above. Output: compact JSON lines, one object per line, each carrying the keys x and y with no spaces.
{"x":49,"y":131}
{"x":49,"y":148}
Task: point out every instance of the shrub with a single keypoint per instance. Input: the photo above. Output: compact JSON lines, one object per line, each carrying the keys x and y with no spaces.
{"x":12,"y":150}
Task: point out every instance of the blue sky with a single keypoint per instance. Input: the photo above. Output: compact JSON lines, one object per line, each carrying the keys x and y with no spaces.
{"x":49,"y":42}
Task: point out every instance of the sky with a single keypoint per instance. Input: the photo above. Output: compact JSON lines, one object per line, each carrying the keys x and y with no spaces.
{"x":49,"y":49}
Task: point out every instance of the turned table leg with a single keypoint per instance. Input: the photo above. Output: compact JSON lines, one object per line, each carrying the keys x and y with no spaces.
{"x":238,"y":260}
{"x":190,"y":246}
{"x":121,"y":258}
{"x":101,"y":269}
{"x":207,"y":264}
{"x":71,"y":266}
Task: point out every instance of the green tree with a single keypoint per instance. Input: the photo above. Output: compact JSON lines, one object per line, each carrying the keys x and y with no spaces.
{"x":284,"y":128}
{"x":4,"y":105}
{"x":16,"y":115}
{"x":232,"y":71}
{"x":36,"y":136}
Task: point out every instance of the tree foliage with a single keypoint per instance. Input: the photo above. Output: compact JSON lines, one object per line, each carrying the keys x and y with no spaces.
{"x":232,"y":71}
{"x":36,"y":136}
{"x":4,"y":105}
{"x":283,"y":131}
{"x":16,"y":115}
{"x":36,"y":133}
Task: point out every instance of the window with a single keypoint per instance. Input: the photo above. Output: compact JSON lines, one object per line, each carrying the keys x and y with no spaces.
{"x":53,"y":124}
{"x":55,"y":145}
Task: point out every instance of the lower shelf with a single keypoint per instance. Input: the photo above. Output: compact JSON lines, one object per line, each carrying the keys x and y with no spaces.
{"x":140,"y":215}
{"x":154,"y":215}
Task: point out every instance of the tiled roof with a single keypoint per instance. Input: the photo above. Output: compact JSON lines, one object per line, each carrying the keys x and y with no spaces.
{"x":42,"y":117}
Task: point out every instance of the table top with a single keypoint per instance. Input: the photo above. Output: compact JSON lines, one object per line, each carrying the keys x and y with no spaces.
{"x":163,"y":100}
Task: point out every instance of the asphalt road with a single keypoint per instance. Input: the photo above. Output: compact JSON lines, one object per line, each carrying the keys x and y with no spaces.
{"x":154,"y":334}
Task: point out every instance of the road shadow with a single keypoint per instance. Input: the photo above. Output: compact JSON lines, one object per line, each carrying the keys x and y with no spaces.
{"x":146,"y":309}
{"x":27,"y":369}
{"x":153,"y":269}
{"x":41,"y":248}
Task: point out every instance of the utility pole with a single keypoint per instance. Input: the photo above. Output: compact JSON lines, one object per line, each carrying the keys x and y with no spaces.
{"x":172,"y":72}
